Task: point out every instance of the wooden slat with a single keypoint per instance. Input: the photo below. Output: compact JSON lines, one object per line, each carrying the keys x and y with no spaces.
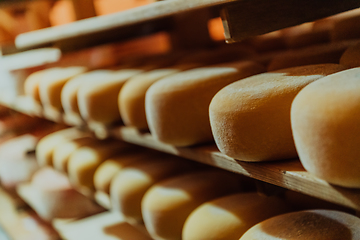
{"x":287,"y":174}
{"x":253,"y":17}
{"x":117,"y":23}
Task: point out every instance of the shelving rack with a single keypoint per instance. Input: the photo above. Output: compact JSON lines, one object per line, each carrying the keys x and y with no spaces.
{"x":288,"y":174}
{"x":241,"y":18}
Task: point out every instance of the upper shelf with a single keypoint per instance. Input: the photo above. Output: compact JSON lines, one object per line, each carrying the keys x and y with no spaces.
{"x":241,"y":18}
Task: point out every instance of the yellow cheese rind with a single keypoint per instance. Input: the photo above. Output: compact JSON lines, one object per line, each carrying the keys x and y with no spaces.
{"x":324,"y":119}
{"x":304,"y":225}
{"x":131,"y":98}
{"x":52,"y":82}
{"x":83,"y":162}
{"x":167,"y":204}
{"x":110,"y":167}
{"x":250,"y":119}
{"x":46,"y":145}
{"x":229,"y":217}
{"x":177,"y":106}
{"x":130,"y":184}
{"x":63,"y":151}
{"x":69,"y":91}
{"x":98,"y":101}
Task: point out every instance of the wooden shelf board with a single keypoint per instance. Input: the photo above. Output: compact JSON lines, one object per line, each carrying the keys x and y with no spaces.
{"x":287,"y":174}
{"x":117,"y":21}
{"x":241,"y":19}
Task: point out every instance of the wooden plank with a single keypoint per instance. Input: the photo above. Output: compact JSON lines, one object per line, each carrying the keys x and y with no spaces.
{"x":253,"y":17}
{"x":114,"y":26}
{"x":288,"y":174}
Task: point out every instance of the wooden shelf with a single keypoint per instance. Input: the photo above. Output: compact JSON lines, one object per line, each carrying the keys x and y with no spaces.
{"x":241,"y":18}
{"x":287,"y":174}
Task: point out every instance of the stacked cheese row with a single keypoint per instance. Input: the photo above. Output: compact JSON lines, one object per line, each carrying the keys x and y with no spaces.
{"x":184,"y":101}
{"x":175,"y":198}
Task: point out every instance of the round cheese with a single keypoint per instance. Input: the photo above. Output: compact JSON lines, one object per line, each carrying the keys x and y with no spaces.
{"x":167,"y":204}
{"x":229,"y":217}
{"x":250,"y":119}
{"x":305,"y":225}
{"x":177,"y":106}
{"x":324,"y":119}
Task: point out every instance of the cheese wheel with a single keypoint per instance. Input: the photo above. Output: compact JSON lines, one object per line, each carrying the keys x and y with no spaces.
{"x":62,"y":151}
{"x":268,"y":42}
{"x":250,"y":119}
{"x":229,"y":217}
{"x":346,"y":26}
{"x":305,"y":225}
{"x":315,"y":54}
{"x":69,"y":92}
{"x":351,"y":57}
{"x":84,"y":161}
{"x":131,"y":100}
{"x":167,"y":204}
{"x":110,"y":167}
{"x":324,"y":120}
{"x":45,"y":147}
{"x":31,"y":84}
{"x":130,"y":184}
{"x":305,"y":35}
{"x":51,"y":84}
{"x":177,"y":106}
{"x":51,"y":196}
{"x":98,"y":101}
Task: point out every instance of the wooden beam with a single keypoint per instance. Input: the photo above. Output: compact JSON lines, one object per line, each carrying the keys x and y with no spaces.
{"x":247,"y":18}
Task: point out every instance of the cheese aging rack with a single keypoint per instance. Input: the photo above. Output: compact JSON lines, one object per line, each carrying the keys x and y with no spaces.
{"x":241,"y":19}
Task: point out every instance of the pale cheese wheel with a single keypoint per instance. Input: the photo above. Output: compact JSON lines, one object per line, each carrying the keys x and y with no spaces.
{"x":229,"y":217}
{"x":31,"y":84}
{"x":250,"y":119}
{"x":45,"y":147}
{"x":107,"y":170}
{"x":98,"y":101}
{"x":51,"y":196}
{"x":315,"y":54}
{"x":306,"y":225}
{"x":51,"y":84}
{"x":268,"y":42}
{"x":346,"y":26}
{"x":305,"y":35}
{"x":132,"y":96}
{"x":351,"y":57}
{"x":83,"y":162}
{"x":131,"y":100}
{"x":130,"y":184}
{"x":62,"y":151}
{"x":324,"y":120}
{"x":177,"y":106}
{"x":69,"y":92}
{"x":167,"y":204}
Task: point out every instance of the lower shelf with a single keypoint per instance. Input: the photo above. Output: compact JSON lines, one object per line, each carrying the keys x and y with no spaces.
{"x":288,"y":174}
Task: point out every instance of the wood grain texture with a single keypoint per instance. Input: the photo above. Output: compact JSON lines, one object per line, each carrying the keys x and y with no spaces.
{"x":253,"y":17}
